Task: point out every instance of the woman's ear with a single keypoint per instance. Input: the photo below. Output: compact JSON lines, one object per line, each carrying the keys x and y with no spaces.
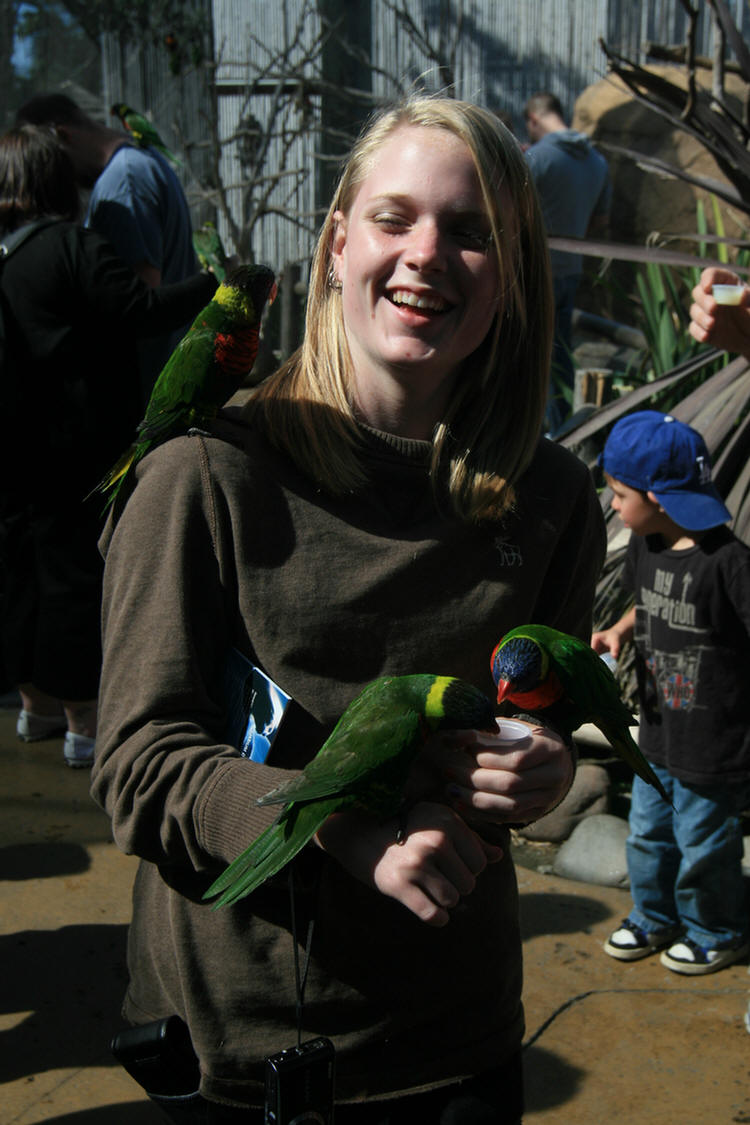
{"x":338,"y":237}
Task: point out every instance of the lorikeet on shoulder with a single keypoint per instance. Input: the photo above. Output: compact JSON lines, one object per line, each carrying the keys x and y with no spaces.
{"x":142,"y":131}
{"x":206,"y":368}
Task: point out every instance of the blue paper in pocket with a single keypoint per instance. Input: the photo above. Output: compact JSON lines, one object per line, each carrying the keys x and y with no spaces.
{"x":255,"y":706}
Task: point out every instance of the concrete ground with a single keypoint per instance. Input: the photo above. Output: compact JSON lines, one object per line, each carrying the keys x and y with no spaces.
{"x":606,"y":1041}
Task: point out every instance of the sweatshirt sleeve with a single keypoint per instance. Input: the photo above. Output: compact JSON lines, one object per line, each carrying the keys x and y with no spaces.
{"x":115,"y":295}
{"x":176,"y":793}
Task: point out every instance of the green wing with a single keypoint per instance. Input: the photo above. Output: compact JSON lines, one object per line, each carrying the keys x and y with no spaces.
{"x":586,"y":680}
{"x":366,"y":755}
{"x":182,"y":393}
{"x":595,"y":696}
{"x":271,"y":851}
{"x":186,"y":381}
{"x":146,"y":134}
{"x":142,"y":129}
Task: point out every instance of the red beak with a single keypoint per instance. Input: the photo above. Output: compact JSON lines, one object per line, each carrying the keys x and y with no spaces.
{"x":504,"y":688}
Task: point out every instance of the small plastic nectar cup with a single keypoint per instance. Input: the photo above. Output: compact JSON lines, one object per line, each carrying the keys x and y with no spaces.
{"x":727,"y":294}
{"x":508,"y":730}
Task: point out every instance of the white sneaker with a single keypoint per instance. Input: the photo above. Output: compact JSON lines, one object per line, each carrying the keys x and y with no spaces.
{"x":33,"y":728}
{"x":686,"y":956}
{"x":78,"y":750}
{"x":629,"y":942}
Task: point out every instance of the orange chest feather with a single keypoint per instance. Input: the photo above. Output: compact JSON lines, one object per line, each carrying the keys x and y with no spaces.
{"x":544,"y":695}
{"x":235,"y":352}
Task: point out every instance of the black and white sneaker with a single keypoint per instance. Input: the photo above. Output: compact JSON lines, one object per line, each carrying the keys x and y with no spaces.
{"x":629,"y":942}
{"x":686,"y":956}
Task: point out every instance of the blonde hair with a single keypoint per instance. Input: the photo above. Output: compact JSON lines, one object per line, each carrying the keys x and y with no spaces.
{"x":493,"y":422}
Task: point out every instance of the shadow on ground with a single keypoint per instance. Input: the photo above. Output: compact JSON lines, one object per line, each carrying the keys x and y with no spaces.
{"x":559,"y":914}
{"x":69,"y":982}
{"x":19,"y":862}
{"x":549,"y":1081}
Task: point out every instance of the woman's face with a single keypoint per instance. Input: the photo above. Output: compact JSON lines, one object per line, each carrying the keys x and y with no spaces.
{"x":419,"y":283}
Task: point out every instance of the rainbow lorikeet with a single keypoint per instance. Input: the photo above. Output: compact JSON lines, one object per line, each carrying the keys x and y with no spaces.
{"x":364,"y":764}
{"x":541,"y":669}
{"x":210,"y":249}
{"x":142,"y":131}
{"x":205,"y":369}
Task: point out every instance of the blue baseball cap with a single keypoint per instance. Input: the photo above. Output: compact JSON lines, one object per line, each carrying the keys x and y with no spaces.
{"x":655,"y":453}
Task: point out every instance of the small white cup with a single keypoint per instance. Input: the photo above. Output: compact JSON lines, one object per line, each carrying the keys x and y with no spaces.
{"x":727,"y":294}
{"x":508,"y":730}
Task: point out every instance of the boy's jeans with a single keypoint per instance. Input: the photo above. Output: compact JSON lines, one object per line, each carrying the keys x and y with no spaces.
{"x":685,"y":865}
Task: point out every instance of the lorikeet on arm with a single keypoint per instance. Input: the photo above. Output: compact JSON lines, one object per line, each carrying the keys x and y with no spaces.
{"x":541,"y":669}
{"x":364,"y":764}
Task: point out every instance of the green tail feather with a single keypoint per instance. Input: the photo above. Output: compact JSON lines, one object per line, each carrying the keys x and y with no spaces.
{"x":630,"y":751}
{"x":113,"y":481}
{"x":272,"y":850}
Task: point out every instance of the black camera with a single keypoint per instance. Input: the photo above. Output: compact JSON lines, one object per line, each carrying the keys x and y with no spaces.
{"x":299,"y":1084}
{"x":159,"y":1056}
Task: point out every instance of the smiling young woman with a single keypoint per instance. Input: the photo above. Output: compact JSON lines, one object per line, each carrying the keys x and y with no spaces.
{"x":383,"y":505}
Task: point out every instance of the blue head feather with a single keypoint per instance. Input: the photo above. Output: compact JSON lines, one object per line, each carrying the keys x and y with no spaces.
{"x":520,"y":662}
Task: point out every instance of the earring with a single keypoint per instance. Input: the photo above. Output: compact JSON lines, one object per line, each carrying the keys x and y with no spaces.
{"x":333,"y":281}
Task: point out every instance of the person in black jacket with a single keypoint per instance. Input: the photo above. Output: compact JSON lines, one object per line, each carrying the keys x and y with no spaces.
{"x":72,"y":312}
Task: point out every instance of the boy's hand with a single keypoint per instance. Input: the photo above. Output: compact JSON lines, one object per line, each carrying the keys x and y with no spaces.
{"x":611,"y":640}
{"x":608,"y":640}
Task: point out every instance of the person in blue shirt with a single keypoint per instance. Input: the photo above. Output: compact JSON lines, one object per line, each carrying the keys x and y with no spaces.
{"x":136,"y":203}
{"x":575,"y":192}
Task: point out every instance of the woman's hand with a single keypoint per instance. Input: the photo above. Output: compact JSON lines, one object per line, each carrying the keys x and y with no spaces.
{"x":724,"y":326}
{"x":461,"y":783}
{"x":506,"y":782}
{"x":435,"y":864}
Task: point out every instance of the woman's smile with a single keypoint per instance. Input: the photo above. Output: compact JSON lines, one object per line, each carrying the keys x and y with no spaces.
{"x":425,"y":302}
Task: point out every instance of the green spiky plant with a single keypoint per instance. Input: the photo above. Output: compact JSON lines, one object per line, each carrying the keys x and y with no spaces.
{"x":662,"y":308}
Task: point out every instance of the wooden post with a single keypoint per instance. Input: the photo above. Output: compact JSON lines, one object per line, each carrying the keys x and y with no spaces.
{"x":341,"y":115}
{"x":290,"y":328}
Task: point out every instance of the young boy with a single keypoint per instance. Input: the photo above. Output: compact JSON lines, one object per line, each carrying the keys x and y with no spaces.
{"x":691,"y":629}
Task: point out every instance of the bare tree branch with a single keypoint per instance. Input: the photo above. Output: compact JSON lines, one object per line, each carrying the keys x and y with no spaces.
{"x":736,"y":41}
{"x":717,"y":78}
{"x":692,"y":14}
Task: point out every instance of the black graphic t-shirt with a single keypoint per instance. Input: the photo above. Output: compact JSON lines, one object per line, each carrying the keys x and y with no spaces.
{"x":692,"y":640}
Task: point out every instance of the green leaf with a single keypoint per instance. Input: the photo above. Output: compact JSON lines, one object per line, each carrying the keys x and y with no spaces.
{"x":722,"y":249}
